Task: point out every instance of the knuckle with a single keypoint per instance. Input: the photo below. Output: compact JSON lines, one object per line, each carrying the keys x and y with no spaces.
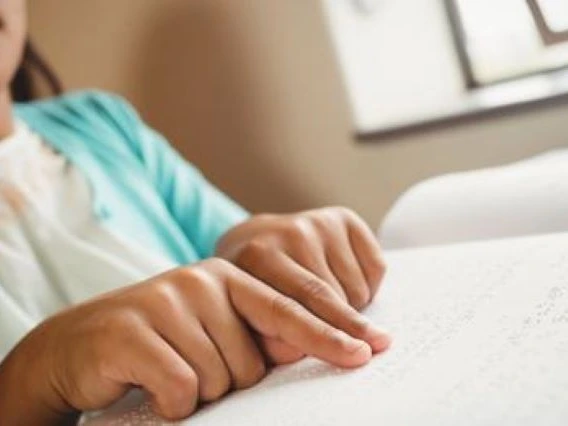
{"x":283,"y":306}
{"x":323,"y":220}
{"x":216,"y":264}
{"x":199,"y":278}
{"x":314,"y":290}
{"x":342,"y":212}
{"x":220,"y":270}
{"x":115,"y":334}
{"x":117,"y":322}
{"x":119,"y":327}
{"x":165,"y":295}
{"x":298,"y":229}
{"x":187,"y":275}
{"x":254,"y":251}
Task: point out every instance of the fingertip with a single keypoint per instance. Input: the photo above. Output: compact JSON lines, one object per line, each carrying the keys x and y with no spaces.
{"x":169,"y":412}
{"x":359,"y":354}
{"x":380,"y":341}
{"x":377,"y":338}
{"x":179,"y":400}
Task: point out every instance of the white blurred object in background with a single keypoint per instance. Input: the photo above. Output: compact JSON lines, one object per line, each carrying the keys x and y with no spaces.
{"x":555,"y":13}
{"x":528,"y":197}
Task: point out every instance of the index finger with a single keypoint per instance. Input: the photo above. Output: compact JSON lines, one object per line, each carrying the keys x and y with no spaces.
{"x":302,"y":285}
{"x":277,"y":316}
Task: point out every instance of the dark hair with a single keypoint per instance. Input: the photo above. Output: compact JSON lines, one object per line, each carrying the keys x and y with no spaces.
{"x":23,"y":86}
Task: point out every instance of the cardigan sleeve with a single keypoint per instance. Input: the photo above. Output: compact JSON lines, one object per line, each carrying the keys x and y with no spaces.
{"x":203,"y":212}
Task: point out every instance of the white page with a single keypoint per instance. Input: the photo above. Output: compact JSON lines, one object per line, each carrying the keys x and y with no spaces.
{"x":480,"y":338}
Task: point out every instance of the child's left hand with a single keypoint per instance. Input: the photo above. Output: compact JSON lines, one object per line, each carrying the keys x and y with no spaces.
{"x":321,"y":258}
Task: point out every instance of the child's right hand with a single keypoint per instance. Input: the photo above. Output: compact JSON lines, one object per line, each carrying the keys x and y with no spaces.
{"x":184,"y":336}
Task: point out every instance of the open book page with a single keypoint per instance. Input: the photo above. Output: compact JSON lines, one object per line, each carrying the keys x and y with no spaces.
{"x":480,"y":338}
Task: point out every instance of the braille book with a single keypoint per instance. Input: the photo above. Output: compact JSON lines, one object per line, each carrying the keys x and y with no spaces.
{"x":480,"y":338}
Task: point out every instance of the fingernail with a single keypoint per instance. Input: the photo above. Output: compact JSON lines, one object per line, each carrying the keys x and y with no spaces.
{"x":379,"y":339}
{"x":353,"y":345}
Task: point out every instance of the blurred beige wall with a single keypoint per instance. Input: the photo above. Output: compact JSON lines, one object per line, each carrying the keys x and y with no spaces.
{"x":250,"y":92}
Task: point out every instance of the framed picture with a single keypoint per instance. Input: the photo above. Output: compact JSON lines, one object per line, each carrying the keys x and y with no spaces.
{"x":551,"y":17}
{"x":509,"y":39}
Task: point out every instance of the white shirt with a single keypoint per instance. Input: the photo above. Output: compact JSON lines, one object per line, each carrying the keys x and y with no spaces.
{"x":53,"y":251}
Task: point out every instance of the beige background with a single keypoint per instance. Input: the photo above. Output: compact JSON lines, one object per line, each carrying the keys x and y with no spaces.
{"x":251,"y":93}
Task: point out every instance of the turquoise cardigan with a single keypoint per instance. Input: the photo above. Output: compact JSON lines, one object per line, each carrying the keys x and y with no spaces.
{"x":141,"y":187}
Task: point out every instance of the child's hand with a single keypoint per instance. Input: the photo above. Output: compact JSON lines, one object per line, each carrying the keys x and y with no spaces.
{"x":183,"y":336}
{"x":320,"y":258}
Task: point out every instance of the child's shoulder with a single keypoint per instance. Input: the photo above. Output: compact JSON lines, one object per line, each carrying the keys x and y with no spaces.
{"x":82,"y":118}
{"x":90,"y":102}
{"x":86,"y":110}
